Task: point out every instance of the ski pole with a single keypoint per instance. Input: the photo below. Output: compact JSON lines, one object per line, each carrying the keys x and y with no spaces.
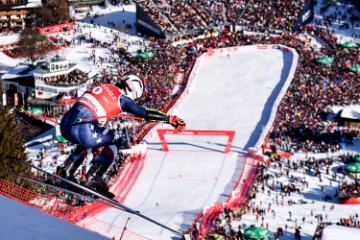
{"x":21,"y":110}
{"x":79,"y":120}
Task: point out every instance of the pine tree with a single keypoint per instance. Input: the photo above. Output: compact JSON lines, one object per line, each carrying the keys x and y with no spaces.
{"x":11,"y":147}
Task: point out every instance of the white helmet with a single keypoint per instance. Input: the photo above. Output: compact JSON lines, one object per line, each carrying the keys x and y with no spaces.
{"x":133,"y":86}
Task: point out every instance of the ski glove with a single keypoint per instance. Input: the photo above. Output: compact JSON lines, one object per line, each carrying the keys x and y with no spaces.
{"x":153,"y":115}
{"x":177,"y":123}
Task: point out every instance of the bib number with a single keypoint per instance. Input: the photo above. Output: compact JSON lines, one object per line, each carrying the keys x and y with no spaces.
{"x":97,"y":90}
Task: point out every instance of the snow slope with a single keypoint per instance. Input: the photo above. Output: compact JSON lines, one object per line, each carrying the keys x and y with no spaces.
{"x":19,"y":221}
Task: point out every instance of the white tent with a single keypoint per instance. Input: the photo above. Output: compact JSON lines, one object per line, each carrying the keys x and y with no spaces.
{"x":336,"y":232}
{"x":6,"y":61}
{"x":351,"y":112}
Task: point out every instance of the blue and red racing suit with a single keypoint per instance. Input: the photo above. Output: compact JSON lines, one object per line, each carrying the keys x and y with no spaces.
{"x":98,"y":105}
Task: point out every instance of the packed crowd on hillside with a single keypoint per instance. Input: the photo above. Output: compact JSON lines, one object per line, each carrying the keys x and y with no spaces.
{"x":285,"y":182}
{"x":301,"y":123}
{"x":260,"y":16}
{"x":265,"y":16}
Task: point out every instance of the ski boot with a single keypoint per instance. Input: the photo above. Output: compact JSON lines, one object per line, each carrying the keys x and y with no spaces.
{"x":61,"y":172}
{"x":67,"y":170}
{"x":95,"y":181}
{"x":71,"y":164}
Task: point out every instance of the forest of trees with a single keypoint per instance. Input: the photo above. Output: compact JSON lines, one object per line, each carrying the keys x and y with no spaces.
{"x":52,"y":12}
{"x":31,"y":45}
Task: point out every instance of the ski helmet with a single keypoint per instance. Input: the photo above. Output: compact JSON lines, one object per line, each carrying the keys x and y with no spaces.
{"x":132,"y":85}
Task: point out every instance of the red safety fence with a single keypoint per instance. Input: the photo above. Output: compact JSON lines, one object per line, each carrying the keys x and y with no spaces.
{"x":58,"y":207}
{"x":65,"y":209}
{"x":49,"y":203}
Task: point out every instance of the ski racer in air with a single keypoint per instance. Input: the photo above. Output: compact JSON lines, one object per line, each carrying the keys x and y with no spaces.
{"x":85,"y":124}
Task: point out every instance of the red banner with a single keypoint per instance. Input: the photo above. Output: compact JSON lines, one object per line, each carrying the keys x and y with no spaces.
{"x":262,"y":47}
{"x":16,"y":99}
{"x":63,"y":27}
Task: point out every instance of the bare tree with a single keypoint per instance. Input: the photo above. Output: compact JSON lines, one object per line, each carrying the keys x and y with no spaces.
{"x":32,"y":45}
{"x":27,"y":44}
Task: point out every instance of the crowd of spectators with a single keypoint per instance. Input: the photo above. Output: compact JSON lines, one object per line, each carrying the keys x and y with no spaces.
{"x":349,"y":190}
{"x":302,"y":117}
{"x":158,"y":15}
{"x":183,"y":15}
{"x":212,"y":12}
{"x":265,"y":15}
{"x":261,"y":16}
{"x":274,"y":179}
{"x":350,"y":186}
{"x":73,"y":78}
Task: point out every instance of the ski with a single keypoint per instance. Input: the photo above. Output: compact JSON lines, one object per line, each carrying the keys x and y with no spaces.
{"x":93,"y":193}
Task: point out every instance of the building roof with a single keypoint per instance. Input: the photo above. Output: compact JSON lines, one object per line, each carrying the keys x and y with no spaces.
{"x":22,"y":75}
{"x":27,"y":81}
{"x":58,"y":58}
{"x":44,"y":70}
{"x":21,"y":71}
{"x":29,"y":4}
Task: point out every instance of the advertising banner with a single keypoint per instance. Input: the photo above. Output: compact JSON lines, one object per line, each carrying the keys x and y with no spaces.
{"x":4,"y":102}
{"x":16,"y":99}
{"x":306,"y":15}
{"x":64,"y":27}
{"x":145,"y":25}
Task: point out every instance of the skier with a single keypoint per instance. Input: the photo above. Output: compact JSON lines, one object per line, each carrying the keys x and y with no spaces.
{"x":85,"y":124}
